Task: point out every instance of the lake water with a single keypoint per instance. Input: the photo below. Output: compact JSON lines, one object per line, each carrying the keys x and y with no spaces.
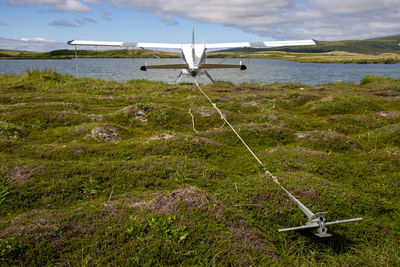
{"x":258,"y":70}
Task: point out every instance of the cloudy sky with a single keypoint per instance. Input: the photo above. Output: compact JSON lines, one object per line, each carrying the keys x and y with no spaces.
{"x":41,"y":25}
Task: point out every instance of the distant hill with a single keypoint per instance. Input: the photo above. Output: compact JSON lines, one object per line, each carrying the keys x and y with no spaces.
{"x":69,"y":53}
{"x":387,"y":44}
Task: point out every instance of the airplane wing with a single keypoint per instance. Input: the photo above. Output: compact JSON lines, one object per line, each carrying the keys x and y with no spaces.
{"x":267,"y":44}
{"x":126,"y":44}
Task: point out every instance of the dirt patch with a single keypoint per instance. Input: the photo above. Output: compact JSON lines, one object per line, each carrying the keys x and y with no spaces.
{"x":36,"y":225}
{"x":329,"y":138}
{"x":273,"y":116}
{"x":269,"y":198}
{"x":307,"y":192}
{"x":253,"y":239}
{"x":222,"y":91}
{"x":387,"y":93}
{"x":188,"y":197}
{"x":78,"y":150}
{"x":23,"y":173}
{"x":299,"y":151}
{"x":205,"y":140}
{"x":326,"y":99}
{"x":250,"y":104}
{"x":205,"y":112}
{"x":72,"y":106}
{"x":163,"y":137}
{"x":105,"y":134}
{"x":392,"y":115}
{"x":95,"y":117}
{"x":247,"y":88}
{"x":135,"y":112}
{"x":319,"y":90}
{"x":20,"y":104}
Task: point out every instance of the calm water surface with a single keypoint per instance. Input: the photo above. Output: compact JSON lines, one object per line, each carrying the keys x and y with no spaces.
{"x":259,"y":70}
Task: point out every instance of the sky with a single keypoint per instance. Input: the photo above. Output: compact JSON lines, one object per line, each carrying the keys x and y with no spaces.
{"x":43,"y":25}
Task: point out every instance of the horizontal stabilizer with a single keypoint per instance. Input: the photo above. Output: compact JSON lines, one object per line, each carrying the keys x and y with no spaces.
{"x":221,"y":66}
{"x":165,"y":66}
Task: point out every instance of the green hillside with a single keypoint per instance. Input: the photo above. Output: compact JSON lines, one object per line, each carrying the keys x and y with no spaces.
{"x":104,"y":173}
{"x":388,"y":44}
{"x":69,"y":53}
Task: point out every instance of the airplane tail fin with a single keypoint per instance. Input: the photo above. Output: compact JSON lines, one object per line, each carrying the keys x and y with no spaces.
{"x":193,"y":36}
{"x":193,"y":44}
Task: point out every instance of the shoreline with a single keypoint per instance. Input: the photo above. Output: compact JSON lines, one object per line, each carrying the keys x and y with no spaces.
{"x":386,"y":61}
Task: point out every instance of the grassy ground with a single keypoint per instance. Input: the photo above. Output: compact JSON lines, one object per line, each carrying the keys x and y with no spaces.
{"x":96,"y":172}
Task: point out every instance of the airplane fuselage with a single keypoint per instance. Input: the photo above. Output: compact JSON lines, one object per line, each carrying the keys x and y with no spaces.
{"x":193,"y":55}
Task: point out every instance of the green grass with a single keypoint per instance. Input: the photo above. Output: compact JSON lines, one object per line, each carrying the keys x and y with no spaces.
{"x":160,"y":194}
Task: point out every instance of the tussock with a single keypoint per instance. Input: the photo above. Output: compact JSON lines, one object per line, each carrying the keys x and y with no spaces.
{"x":105,"y":133}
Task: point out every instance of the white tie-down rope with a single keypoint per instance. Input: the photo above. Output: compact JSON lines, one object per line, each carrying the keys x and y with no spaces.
{"x":267,"y":172}
{"x":194,"y":129}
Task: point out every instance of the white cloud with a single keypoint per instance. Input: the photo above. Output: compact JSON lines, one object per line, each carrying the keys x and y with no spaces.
{"x":61,"y":5}
{"x":259,"y":16}
{"x":324,"y":19}
{"x":62,"y":23}
{"x":207,"y":10}
{"x":285,"y":19}
{"x":353,"y":6}
{"x":31,"y":44}
{"x":71,"y":5}
{"x":37,"y":39}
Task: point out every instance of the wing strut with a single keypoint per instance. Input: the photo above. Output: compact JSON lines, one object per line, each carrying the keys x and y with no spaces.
{"x":76,"y":60}
{"x":209,"y":76}
{"x":179,"y":77}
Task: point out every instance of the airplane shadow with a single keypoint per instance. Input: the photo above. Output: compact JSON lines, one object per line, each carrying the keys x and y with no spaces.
{"x":337,"y":242}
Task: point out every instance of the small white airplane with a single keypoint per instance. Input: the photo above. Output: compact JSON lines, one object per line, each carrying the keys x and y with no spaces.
{"x":194,"y":55}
